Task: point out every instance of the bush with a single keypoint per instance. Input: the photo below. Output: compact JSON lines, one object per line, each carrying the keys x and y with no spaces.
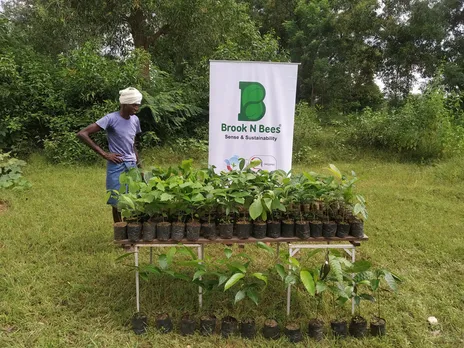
{"x":314,"y":141}
{"x":421,"y":129}
{"x":11,"y":173}
{"x":66,"y":148}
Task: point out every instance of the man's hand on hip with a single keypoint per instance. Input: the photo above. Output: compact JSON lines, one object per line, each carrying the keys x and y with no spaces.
{"x":114,"y":157}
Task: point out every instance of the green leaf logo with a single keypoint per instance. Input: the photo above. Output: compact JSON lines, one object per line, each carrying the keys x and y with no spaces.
{"x":252,"y":107}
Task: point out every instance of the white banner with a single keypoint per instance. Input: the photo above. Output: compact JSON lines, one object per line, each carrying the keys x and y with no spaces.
{"x":251,"y":114}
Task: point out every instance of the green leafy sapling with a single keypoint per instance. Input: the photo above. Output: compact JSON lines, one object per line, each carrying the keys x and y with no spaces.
{"x":247,"y":284}
{"x":356,"y":278}
{"x":377,"y":278}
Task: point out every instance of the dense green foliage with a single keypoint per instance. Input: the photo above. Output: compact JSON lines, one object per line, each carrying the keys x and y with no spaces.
{"x":11,"y":172}
{"x":63,"y":62}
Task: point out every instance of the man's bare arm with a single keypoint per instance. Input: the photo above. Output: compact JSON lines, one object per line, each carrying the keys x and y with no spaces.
{"x":84,"y":136}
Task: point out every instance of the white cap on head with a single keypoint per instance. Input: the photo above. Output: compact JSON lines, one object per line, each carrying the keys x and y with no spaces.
{"x":130,"y":95}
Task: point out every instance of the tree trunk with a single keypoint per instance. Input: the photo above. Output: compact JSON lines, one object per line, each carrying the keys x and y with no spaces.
{"x":141,"y":35}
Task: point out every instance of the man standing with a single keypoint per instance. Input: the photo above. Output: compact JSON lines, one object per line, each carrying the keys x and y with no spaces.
{"x":121,"y":128}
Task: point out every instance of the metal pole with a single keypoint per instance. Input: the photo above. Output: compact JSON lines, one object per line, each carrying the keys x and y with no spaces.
{"x":200,"y":289}
{"x":353,"y":259}
{"x":137,"y":289}
{"x":289,"y":289}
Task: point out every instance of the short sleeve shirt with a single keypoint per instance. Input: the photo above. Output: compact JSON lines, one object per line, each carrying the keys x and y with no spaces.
{"x":121,"y":134}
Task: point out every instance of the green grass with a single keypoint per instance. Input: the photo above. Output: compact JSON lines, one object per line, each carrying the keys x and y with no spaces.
{"x":60,"y":283}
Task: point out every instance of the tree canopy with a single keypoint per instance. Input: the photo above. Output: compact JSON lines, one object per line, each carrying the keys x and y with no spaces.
{"x":65,"y":60}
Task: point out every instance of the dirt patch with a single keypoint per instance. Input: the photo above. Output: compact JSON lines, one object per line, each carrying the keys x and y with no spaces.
{"x":3,"y":206}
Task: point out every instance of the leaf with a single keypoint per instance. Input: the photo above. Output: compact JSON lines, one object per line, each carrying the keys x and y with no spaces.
{"x":233,"y":266}
{"x":335,"y":171}
{"x":228,"y":252}
{"x":147,"y":269}
{"x":198,"y":274}
{"x":162,"y":261}
{"x":268,"y":203}
{"x":165,"y":197}
{"x":240,"y":295}
{"x":294,"y":262}
{"x":281,"y":271}
{"x":252,"y":295}
{"x":123,"y":256}
{"x":390,"y":280}
{"x":336,"y":268}
{"x":198,"y":198}
{"x":359,"y":266}
{"x":187,"y":251}
{"x":240,"y":200}
{"x":233,"y":280}
{"x":256,"y":209}
{"x":308,"y":282}
{"x":241,"y":163}
{"x":290,"y":279}
{"x":375,"y":284}
{"x":320,"y":287}
{"x":265,"y":247}
{"x":367,"y":297}
{"x":171,"y":252}
{"x":260,"y":276}
{"x":222,"y":279}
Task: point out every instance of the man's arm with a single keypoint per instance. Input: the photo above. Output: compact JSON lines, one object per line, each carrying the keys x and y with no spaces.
{"x":84,"y":136}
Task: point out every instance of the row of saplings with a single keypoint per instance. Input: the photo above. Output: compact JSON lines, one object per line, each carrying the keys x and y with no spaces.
{"x":186,"y":203}
{"x":336,"y":280}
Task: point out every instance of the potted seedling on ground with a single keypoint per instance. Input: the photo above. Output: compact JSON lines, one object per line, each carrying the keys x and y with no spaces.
{"x":320,"y":278}
{"x":164,"y":266}
{"x":246,"y":285}
{"x":379,"y":276}
{"x":336,"y":286}
{"x":296,"y":275}
{"x":356,"y":277}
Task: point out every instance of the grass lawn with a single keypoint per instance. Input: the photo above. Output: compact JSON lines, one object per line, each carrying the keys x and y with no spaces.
{"x":60,"y":283}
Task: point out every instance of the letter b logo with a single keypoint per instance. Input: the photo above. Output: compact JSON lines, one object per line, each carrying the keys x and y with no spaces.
{"x":252,"y":107}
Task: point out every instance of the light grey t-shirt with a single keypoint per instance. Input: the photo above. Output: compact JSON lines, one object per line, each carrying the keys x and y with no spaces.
{"x":121,"y":133}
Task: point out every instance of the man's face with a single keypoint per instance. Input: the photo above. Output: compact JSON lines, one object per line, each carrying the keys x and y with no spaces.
{"x":132,"y":109}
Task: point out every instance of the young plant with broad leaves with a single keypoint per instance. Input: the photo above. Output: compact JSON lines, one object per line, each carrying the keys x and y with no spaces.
{"x":237,"y":276}
{"x":377,"y":278}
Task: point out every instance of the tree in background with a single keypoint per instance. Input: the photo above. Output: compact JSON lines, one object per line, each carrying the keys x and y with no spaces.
{"x":337,"y":44}
{"x":412,"y":37}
